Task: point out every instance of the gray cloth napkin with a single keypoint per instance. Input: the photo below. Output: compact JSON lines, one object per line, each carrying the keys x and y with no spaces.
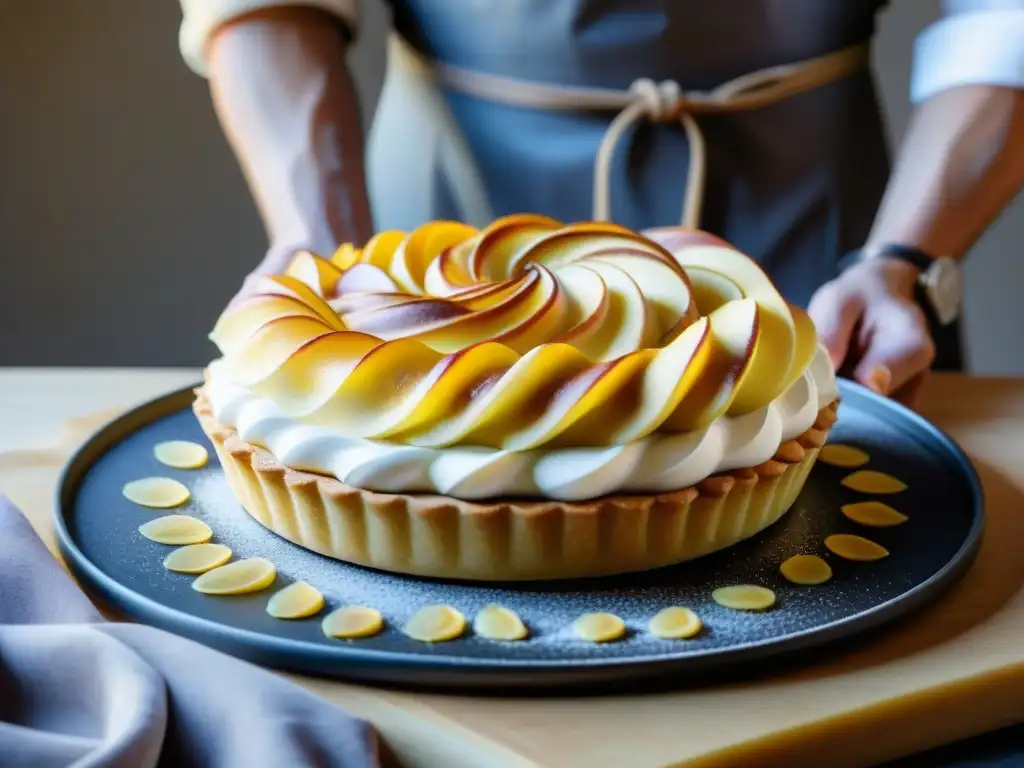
{"x":76,"y":690}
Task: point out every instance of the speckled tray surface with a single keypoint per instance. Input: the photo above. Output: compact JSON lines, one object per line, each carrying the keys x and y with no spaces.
{"x":97,"y":529}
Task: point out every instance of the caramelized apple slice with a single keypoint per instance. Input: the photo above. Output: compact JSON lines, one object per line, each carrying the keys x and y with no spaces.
{"x":675,"y":238}
{"x":409,"y":264}
{"x":345,"y":256}
{"x":712,"y":290}
{"x":587,"y":306}
{"x":275,"y":360}
{"x":577,"y":241}
{"x":519,"y":314}
{"x":806,"y":345}
{"x":495,"y":251}
{"x":629,"y":324}
{"x":502,"y":402}
{"x":379,"y":251}
{"x":666,"y":289}
{"x":774,"y":363}
{"x":735,"y":333}
{"x":319,"y":274}
{"x":591,"y":391}
{"x":364,"y":278}
{"x":673,"y":373}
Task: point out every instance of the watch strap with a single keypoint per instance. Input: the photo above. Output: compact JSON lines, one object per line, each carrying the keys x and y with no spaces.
{"x":914,"y":256}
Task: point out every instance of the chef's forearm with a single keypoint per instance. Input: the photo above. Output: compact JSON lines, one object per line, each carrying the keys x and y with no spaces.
{"x":288,"y":107}
{"x":961,"y":161}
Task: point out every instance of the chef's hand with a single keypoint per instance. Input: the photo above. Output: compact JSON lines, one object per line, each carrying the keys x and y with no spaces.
{"x":873,"y":328}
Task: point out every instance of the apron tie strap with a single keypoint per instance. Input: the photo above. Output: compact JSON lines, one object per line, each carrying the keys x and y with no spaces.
{"x":660,"y":102}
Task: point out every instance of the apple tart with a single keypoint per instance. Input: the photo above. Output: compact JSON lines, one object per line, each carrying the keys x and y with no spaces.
{"x":530,"y":400}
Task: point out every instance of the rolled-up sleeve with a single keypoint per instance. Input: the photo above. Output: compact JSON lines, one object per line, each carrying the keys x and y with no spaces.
{"x":976,"y":42}
{"x":201,"y":18}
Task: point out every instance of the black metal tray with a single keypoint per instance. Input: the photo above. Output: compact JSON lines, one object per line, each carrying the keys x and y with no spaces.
{"x":97,"y":530}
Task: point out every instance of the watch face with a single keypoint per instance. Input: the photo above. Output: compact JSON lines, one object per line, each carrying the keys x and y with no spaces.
{"x":943,"y":285}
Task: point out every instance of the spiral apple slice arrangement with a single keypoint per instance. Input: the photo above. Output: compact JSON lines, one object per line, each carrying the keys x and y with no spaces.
{"x":525,"y":333}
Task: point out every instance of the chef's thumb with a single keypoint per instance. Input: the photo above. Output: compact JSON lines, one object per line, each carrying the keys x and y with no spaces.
{"x":835,"y":313}
{"x":897,"y":351}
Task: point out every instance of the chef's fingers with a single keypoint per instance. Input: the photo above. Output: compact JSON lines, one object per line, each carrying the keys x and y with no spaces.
{"x":836,"y":311}
{"x":899,"y":347}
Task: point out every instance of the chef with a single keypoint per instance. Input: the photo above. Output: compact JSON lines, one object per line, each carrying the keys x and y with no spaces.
{"x":757,"y":120}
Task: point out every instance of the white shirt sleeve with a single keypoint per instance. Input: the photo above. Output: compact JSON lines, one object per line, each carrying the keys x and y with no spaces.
{"x":976,"y":42}
{"x":201,"y":18}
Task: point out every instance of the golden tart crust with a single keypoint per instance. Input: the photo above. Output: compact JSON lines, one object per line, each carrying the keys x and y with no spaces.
{"x":442,"y":537}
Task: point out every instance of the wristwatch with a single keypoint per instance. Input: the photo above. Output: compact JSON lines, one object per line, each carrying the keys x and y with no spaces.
{"x":939,"y":281}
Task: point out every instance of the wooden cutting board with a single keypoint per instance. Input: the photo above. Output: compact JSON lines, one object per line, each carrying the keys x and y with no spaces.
{"x":955,"y":670}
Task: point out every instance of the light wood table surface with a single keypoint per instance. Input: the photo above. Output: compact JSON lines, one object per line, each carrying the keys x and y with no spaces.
{"x":953,"y":671}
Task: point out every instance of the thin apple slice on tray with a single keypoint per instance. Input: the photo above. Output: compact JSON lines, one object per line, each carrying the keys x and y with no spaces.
{"x":734,"y":331}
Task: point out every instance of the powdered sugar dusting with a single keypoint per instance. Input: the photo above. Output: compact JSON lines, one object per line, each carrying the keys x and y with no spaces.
{"x":105,"y":527}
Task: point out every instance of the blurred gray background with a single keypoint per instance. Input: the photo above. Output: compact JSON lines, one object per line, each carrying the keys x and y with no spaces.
{"x":118,"y":192}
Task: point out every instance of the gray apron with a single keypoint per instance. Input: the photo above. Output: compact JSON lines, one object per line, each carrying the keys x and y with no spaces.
{"x":795,"y":184}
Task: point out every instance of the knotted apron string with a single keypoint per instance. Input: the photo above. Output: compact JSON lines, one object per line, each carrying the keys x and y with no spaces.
{"x":659,"y":102}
